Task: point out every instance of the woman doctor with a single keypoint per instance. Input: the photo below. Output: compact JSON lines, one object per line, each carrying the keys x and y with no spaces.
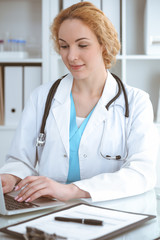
{"x":90,"y":150}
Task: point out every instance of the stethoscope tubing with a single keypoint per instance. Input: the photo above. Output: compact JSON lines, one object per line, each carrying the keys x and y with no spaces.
{"x":42,"y":135}
{"x":117,"y":157}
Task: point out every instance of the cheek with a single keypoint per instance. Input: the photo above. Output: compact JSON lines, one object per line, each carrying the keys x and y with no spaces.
{"x":95,"y":57}
{"x":63,"y":56}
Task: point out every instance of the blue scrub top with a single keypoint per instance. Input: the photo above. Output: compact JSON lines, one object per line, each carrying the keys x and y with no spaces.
{"x":75,"y":135}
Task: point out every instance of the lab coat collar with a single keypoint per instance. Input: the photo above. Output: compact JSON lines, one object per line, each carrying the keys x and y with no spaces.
{"x":110,"y":91}
{"x":64,"y":89}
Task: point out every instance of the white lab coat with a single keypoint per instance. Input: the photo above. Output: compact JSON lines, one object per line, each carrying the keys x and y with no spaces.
{"x":107,"y":132}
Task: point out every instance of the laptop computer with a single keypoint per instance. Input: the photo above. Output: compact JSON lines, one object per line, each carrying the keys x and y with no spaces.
{"x":9,"y":206}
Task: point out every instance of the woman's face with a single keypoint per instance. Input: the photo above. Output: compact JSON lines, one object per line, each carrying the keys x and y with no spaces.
{"x":80,"y":49}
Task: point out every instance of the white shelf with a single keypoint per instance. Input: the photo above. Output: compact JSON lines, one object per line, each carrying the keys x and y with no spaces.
{"x":25,"y":60}
{"x":142,"y":57}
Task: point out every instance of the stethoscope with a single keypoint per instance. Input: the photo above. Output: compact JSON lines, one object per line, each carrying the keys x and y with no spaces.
{"x":117,"y":157}
{"x":42,"y":136}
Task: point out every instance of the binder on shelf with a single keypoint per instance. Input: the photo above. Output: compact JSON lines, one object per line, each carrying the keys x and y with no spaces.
{"x":68,"y":3}
{"x":112,"y":11}
{"x":1,"y":98}
{"x":13,"y":78}
{"x":32,"y":79}
{"x":151,"y":28}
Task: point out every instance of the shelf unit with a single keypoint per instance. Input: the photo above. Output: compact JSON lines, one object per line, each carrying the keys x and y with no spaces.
{"x":34,"y":17}
{"x":20,"y":19}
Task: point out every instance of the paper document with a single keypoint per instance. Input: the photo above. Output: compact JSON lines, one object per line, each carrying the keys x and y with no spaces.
{"x":113,"y":221}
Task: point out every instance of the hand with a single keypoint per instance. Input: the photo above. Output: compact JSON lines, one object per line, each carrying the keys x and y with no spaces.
{"x":8,"y":182}
{"x":40,"y":186}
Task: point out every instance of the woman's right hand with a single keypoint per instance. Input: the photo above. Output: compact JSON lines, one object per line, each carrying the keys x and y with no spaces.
{"x":8,"y":182}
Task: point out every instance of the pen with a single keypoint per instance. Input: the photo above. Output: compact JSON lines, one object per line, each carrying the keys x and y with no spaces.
{"x":80,"y":220}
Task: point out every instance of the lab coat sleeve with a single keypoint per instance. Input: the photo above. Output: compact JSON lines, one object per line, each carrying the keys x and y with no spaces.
{"x":138,"y":174}
{"x":21,"y":158}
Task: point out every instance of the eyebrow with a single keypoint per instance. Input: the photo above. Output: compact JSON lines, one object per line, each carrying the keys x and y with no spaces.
{"x":79,"y":39}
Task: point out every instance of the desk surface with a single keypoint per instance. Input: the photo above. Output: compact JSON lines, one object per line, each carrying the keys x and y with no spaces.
{"x":147,"y":203}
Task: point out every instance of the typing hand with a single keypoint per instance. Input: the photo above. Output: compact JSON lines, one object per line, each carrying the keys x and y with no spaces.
{"x":8,"y":182}
{"x":33,"y":187}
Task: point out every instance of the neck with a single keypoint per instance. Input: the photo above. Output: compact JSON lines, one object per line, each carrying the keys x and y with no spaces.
{"x":92,"y":86}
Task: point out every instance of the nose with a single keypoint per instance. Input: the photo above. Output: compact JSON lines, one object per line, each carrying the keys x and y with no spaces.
{"x":72,"y":54}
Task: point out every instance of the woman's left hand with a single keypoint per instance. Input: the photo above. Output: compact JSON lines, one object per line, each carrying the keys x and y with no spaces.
{"x":40,"y":186}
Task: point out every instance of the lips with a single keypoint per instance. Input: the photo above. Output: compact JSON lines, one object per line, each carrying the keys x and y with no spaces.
{"x":76,"y":67}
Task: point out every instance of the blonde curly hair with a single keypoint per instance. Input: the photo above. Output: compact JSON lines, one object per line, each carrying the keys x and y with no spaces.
{"x":96,"y":20}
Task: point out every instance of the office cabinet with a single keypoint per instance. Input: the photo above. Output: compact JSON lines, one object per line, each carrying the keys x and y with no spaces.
{"x":31,"y":20}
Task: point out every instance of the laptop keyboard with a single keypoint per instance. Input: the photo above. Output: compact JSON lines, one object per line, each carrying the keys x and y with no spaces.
{"x":12,"y":204}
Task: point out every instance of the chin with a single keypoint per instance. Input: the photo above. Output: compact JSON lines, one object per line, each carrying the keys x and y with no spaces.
{"x":79,"y":75}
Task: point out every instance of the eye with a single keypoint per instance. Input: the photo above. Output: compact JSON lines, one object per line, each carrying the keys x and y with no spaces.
{"x":64,"y":46}
{"x":83,"y":45}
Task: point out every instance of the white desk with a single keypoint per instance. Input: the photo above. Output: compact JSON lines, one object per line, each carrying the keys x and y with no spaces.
{"x":146,"y":203}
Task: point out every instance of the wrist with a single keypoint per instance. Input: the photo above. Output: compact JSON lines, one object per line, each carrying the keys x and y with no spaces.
{"x":76,"y":192}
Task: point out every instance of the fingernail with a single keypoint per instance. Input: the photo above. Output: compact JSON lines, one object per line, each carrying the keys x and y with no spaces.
{"x":16,"y":188}
{"x":20,"y":199}
{"x":27,"y":200}
{"x":16,"y":197}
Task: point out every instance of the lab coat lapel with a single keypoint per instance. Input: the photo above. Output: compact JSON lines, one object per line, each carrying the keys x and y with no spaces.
{"x":62,"y":118}
{"x":61,"y":110}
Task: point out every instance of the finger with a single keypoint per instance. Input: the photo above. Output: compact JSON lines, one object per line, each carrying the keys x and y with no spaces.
{"x":25,"y":181}
{"x":40,"y":193}
{"x":29,"y":186}
{"x":30,"y":191}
